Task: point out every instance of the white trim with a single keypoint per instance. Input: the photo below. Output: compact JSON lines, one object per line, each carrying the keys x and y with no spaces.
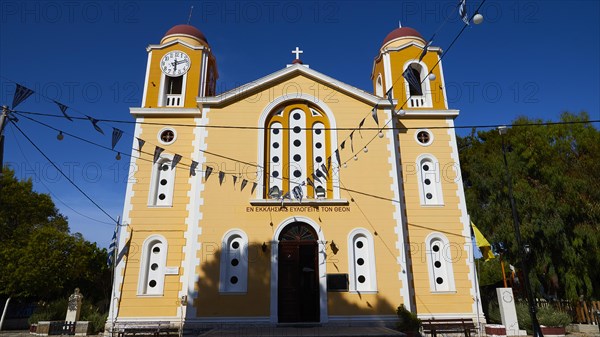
{"x":202,"y":86}
{"x":322,"y":253}
{"x":164,"y":111}
{"x":379,"y":86}
{"x":429,"y":113}
{"x":137,"y":319}
{"x":387,"y":69}
{"x":431,"y":137}
{"x":152,"y":199}
{"x":242,"y":288}
{"x":146,"y":84}
{"x":295,"y":70}
{"x":304,"y":202}
{"x":447,"y":262}
{"x":144,"y":265}
{"x":230,"y":319}
{"x":362,"y":318}
{"x":437,"y":181}
{"x":447,"y":315}
{"x":371,"y":263}
{"x":194,"y":230}
{"x":410,"y":44}
{"x":427,"y":94}
{"x":333,"y":136}
{"x":124,"y":234}
{"x":464,"y":217}
{"x":176,"y":41}
{"x":163,"y":130}
{"x":403,"y":259}
{"x":443,"y":83}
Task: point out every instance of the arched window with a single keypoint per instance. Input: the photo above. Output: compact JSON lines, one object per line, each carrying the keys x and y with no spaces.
{"x":379,"y":86}
{"x":234,"y":262}
{"x":298,"y":145}
{"x":430,"y":184}
{"x":361,"y":261}
{"x":418,"y":90}
{"x":162,"y":183}
{"x":152,"y":266}
{"x":439,"y":263}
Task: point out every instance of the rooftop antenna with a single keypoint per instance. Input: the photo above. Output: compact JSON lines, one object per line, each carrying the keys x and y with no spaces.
{"x":399,"y":23}
{"x":190,"y":17}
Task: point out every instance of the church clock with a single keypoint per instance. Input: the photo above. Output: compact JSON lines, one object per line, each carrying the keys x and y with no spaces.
{"x":175,"y":63}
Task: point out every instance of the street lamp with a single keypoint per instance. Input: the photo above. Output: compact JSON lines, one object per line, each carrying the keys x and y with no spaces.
{"x":537,"y":332}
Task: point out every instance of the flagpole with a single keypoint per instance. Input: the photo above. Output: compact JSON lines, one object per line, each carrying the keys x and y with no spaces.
{"x":3,"y":118}
{"x":113,"y":274}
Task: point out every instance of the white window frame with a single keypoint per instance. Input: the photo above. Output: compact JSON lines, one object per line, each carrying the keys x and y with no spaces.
{"x":354,"y":286}
{"x":145,"y":260}
{"x":162,"y":95}
{"x":437,"y":183}
{"x":152,"y":197}
{"x":446,"y":260}
{"x":227,"y":270}
{"x":425,"y":86}
{"x":379,"y":86}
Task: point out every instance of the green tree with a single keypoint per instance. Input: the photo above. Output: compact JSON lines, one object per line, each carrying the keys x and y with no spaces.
{"x":555,"y":171}
{"x":41,"y":259}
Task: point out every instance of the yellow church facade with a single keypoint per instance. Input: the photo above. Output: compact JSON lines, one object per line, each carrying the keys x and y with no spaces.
{"x":269,"y":203}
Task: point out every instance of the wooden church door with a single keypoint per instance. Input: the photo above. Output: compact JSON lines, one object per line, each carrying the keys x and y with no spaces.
{"x":298,"y":280}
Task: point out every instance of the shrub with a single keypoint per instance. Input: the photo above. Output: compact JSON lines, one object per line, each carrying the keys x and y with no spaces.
{"x":407,"y":321}
{"x":53,"y":311}
{"x":547,"y":316}
{"x":97,"y":321}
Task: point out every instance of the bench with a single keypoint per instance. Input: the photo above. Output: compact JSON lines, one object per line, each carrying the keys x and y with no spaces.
{"x":146,"y":328}
{"x":464,"y":326}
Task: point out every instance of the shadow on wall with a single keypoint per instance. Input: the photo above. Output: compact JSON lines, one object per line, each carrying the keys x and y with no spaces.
{"x":212,"y":302}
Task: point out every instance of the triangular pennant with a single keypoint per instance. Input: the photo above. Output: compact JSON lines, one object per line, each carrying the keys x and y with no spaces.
{"x":424,"y":52}
{"x":141,"y":143}
{"x":21,"y":94}
{"x":298,"y":194}
{"x":157,"y":152}
{"x":243,"y":184}
{"x":389,"y":95}
{"x":310,"y":182}
{"x":95,"y":123}
{"x":176,"y":159}
{"x":63,"y":108}
{"x":462,"y":11}
{"x":116,"y":135}
{"x":337,"y":156}
{"x":286,"y":196}
{"x":193,"y":168}
{"x":234,"y":181}
{"x":253,"y":187}
{"x":343,"y":144}
{"x":207,"y":173}
{"x":351,"y":141}
{"x":221,"y":177}
{"x":413,"y":82}
{"x":329,"y":163}
{"x":325,"y":168}
{"x":360,"y":125}
{"x":374,"y":114}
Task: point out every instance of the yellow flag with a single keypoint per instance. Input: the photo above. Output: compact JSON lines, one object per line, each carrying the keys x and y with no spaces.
{"x":482,"y":243}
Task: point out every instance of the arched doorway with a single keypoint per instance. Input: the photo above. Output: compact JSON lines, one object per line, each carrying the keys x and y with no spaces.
{"x":298,"y":277}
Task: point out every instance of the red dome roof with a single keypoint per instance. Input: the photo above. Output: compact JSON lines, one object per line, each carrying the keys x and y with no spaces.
{"x":187,"y":30}
{"x":401,"y":32}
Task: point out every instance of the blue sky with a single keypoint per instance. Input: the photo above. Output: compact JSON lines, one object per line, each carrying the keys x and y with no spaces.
{"x":531,"y":58}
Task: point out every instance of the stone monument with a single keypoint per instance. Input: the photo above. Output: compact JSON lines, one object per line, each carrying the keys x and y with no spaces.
{"x":508,"y":312}
{"x":74,"y":307}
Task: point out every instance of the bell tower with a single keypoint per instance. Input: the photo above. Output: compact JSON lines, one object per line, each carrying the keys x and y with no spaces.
{"x":180,"y":68}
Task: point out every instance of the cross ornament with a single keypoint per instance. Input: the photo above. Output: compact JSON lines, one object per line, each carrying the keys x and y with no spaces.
{"x":297,"y":52}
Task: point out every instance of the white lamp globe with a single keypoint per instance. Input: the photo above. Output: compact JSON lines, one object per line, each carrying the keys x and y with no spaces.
{"x":478,"y":18}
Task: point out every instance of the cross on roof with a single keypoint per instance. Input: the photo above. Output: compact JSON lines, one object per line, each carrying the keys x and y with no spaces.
{"x":297,"y":52}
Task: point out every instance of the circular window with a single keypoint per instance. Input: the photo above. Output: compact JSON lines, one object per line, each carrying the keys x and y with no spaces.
{"x":360,"y":261}
{"x":163,"y":182}
{"x":276,"y":145}
{"x":437,"y":264}
{"x":167,"y":136}
{"x":361,"y":279}
{"x":427,"y":181}
{"x":436,"y":248}
{"x":319,"y":159}
{"x":297,"y":116}
{"x":359,"y":244}
{"x":297,"y":173}
{"x":439,"y":280}
{"x":162,"y":196}
{"x":425,"y":167}
{"x":233,"y":280}
{"x":152,"y":284}
{"x":154,"y":266}
{"x":275,"y":174}
{"x":235,"y":245}
{"x":156,"y":250}
{"x":297,"y":129}
{"x":424,"y":137}
{"x":319,"y":174}
{"x":318,"y":145}
{"x":428,"y":196}
{"x":318,"y":131}
{"x":297,"y":142}
{"x":235,"y":262}
{"x":275,"y":131}
{"x":297,"y":157}
{"x":164,"y":167}
{"x":275,"y":159}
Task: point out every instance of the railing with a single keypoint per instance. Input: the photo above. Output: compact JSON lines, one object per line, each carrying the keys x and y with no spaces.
{"x":61,"y":328}
{"x":581,"y":311}
{"x":174,"y":100}
{"x":418,"y":102}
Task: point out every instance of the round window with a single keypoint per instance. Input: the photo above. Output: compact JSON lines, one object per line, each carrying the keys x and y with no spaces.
{"x":424,"y":137}
{"x":167,"y":136}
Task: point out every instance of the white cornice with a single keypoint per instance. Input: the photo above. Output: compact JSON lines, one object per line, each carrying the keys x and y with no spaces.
{"x":165,"y":112}
{"x":170,"y":43}
{"x":295,"y":70}
{"x":429,"y":113}
{"x":412,"y":43}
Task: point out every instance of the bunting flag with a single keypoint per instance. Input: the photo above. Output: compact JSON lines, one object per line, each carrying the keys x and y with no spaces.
{"x":116,"y":136}
{"x":351,"y":141}
{"x":329,"y":163}
{"x":63,"y":108}
{"x":112,"y":248}
{"x":343,"y":145}
{"x":325,"y":169}
{"x":360,"y":125}
{"x":462,"y":11}
{"x":310,"y":182}
{"x":374,"y":114}
{"x":320,"y":174}
{"x":221,"y":177}
{"x":193,"y":168}
{"x":389,"y":95}
{"x":413,"y":82}
{"x":141,"y":143}
{"x":337,"y":156}
{"x":176,"y":160}
{"x":21,"y":94}
{"x":253,"y":187}
{"x":243,"y":184}
{"x":297,"y":191}
{"x":286,"y":196}
{"x":427,"y":45}
{"x":207,"y":173}
{"x":157,"y":151}
{"x":95,"y":123}
{"x":482,"y":243}
{"x":234,"y":181}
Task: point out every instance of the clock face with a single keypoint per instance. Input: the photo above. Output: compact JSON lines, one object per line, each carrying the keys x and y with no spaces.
{"x":175,"y":63}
